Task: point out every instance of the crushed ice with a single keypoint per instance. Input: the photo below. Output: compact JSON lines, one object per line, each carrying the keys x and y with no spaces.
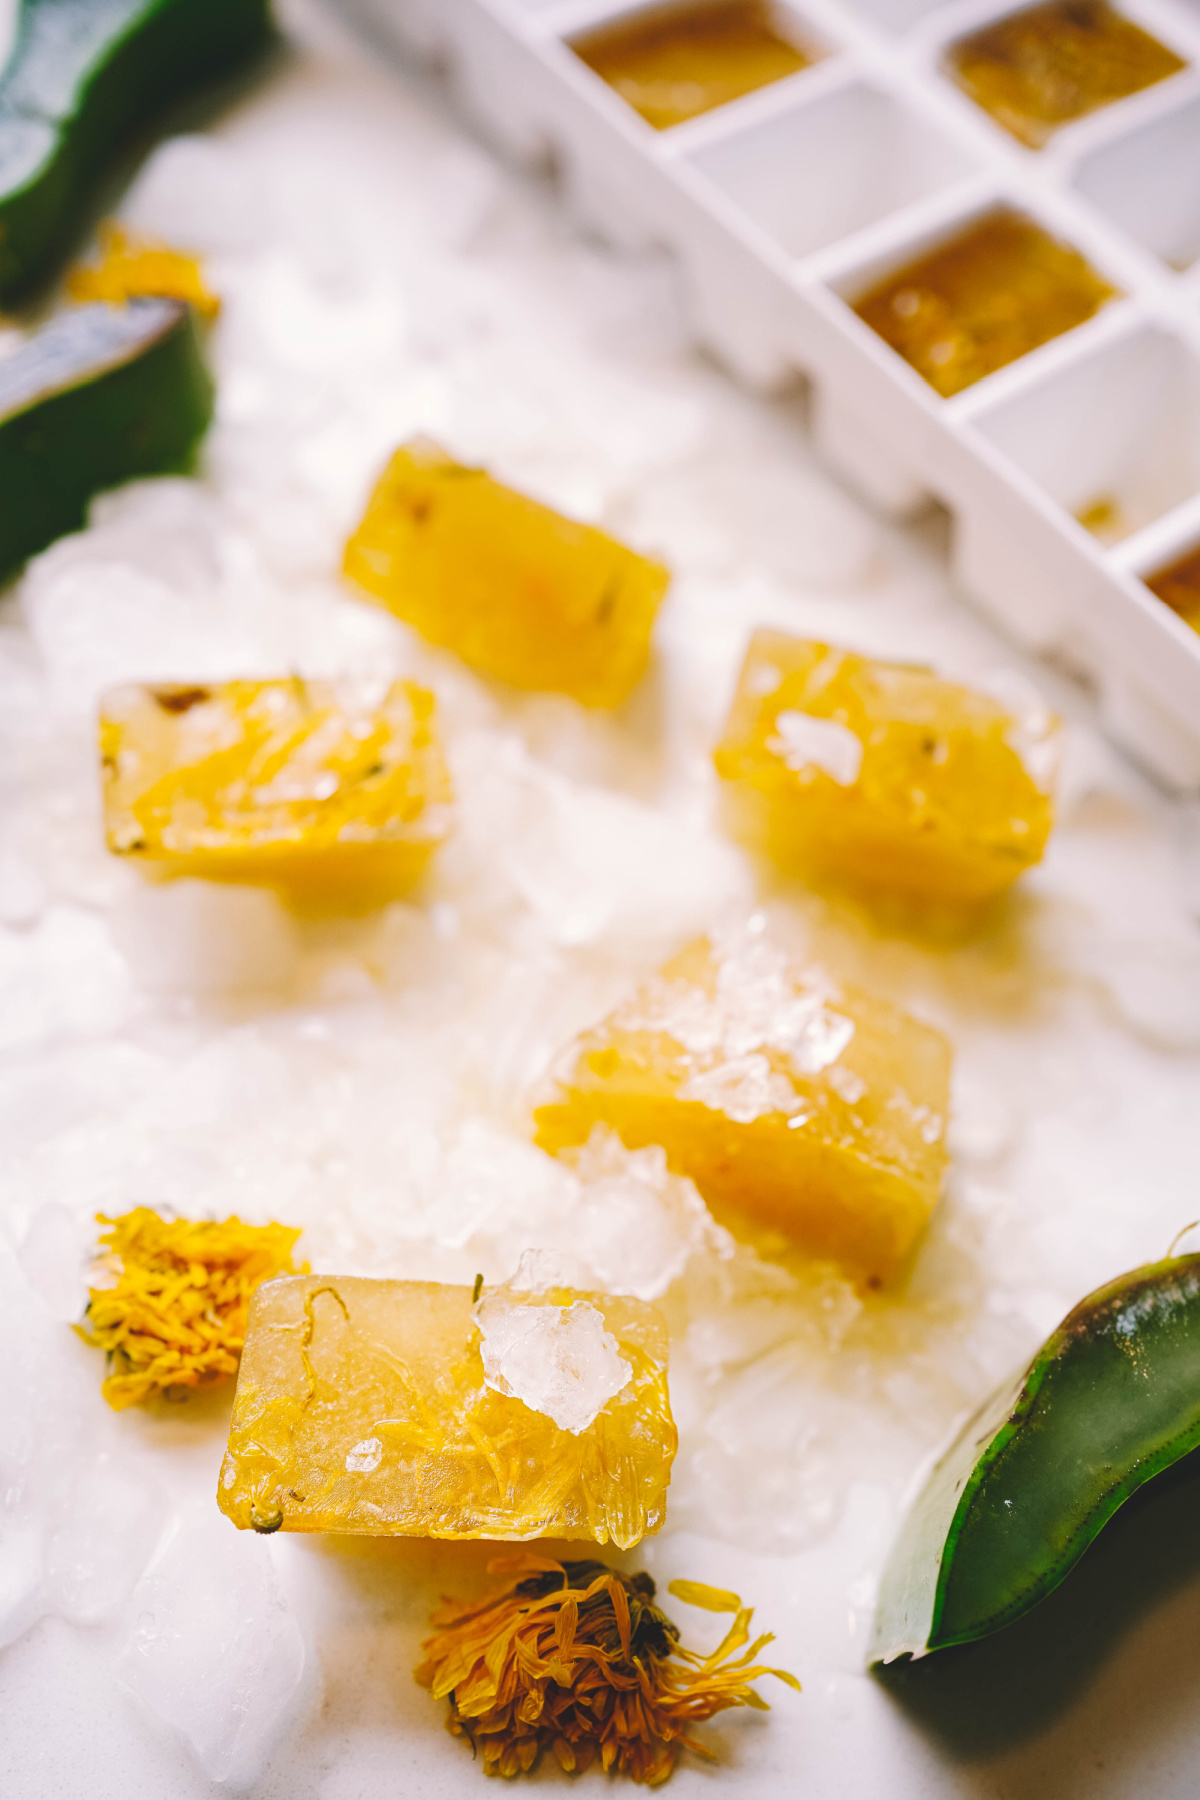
{"x":805,"y":742}
{"x":560,"y":1360}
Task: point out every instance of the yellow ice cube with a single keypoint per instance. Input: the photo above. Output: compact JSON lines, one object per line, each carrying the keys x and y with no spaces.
{"x":1179,"y":585}
{"x":986,"y":296}
{"x":516,"y":590}
{"x":811,"y":1118}
{"x":671,"y":64}
{"x":886,"y":776}
{"x":394,"y":1408}
{"x":329,"y":790}
{"x":1039,"y":67}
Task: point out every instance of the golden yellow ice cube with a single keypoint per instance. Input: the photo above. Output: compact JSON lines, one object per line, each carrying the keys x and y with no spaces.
{"x":516,"y":590}
{"x":887,"y":776}
{"x":1038,"y":68}
{"x":811,"y":1118}
{"x":977,"y":302}
{"x":1179,"y":585}
{"x":393,"y":1408}
{"x":329,"y":790}
{"x":672,"y":63}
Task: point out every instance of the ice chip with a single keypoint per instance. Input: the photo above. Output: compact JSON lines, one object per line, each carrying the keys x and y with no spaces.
{"x":559,"y":1360}
{"x":807,"y":743}
{"x":366,"y":1455}
{"x":540,"y":1270}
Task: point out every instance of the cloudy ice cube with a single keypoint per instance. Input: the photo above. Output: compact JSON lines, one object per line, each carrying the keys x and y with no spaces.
{"x":101,"y":1544}
{"x":559,"y":1360}
{"x":21,"y":1603}
{"x":75,"y":1533}
{"x":213,"y":1648}
{"x":200,"y":937}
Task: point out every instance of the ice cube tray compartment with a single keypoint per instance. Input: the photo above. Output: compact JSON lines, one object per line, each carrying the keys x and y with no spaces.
{"x":1072,"y":472}
{"x":876,"y":155}
{"x":1123,"y":180}
{"x":1113,"y":438}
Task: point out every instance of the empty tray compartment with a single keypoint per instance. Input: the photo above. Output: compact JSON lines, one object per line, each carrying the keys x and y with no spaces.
{"x":830,"y":166}
{"x":1114,"y":437}
{"x":1148,"y":183}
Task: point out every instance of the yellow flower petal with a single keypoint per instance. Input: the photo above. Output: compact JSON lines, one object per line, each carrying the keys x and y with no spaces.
{"x":696,"y":1593}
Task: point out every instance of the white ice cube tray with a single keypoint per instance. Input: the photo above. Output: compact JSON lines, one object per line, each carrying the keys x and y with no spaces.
{"x":786,"y":206}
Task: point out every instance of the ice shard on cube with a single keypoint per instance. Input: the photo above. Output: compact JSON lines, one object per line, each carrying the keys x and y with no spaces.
{"x":513,"y":588}
{"x":811,"y":1118}
{"x":887,"y":776}
{"x":332,"y":791}
{"x":400,"y":1408}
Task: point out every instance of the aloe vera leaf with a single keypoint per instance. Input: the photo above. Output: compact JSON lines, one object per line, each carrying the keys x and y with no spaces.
{"x":83,"y":76}
{"x":100,"y":395}
{"x":1110,"y":1401}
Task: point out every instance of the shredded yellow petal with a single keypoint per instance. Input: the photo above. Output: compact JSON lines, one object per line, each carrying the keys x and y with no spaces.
{"x":128,"y":268}
{"x":696,"y":1593}
{"x":176,"y":1316}
{"x":576,"y":1657}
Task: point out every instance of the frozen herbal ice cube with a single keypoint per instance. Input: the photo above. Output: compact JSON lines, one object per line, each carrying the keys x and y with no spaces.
{"x":986,"y":296}
{"x":887,"y":776}
{"x":1039,"y":67}
{"x":675,"y":62}
{"x":328,"y":790}
{"x":811,"y":1118}
{"x":516,"y":590}
{"x":384,"y":1408}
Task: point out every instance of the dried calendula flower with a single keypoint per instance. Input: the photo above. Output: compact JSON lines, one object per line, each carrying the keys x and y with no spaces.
{"x":577,"y":1657}
{"x":176,"y":1315}
{"x":129,"y":268}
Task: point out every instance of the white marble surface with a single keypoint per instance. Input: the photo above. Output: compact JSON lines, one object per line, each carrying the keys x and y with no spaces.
{"x":200,"y":1049}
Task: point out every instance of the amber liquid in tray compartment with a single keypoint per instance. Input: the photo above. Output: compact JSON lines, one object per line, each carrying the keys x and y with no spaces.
{"x":1039,"y":69}
{"x":990,"y":295}
{"x":676,"y":62}
{"x":1179,"y":586}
